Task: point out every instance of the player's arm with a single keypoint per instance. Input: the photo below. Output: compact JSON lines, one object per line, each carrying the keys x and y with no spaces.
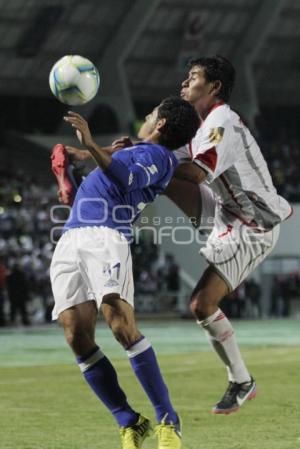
{"x":118,"y":144}
{"x":141,"y":173}
{"x":101,"y":156}
{"x":189,"y":171}
{"x":83,"y":155}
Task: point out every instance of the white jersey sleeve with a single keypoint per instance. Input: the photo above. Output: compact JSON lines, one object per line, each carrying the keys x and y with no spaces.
{"x":213,"y":147}
{"x":182,"y":154}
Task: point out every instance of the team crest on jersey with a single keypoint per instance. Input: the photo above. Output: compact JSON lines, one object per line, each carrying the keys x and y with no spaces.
{"x":216,"y":135}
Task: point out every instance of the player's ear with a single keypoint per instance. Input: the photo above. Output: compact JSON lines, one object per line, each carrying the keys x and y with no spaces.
{"x":215,"y":87}
{"x":161,"y":124}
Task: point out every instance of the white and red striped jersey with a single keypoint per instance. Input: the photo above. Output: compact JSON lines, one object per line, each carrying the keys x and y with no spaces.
{"x":236,"y":169}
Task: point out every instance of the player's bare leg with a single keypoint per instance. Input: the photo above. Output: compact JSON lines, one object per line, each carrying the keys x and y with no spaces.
{"x":79,"y":324}
{"x":120,"y":317}
{"x":205,"y":306}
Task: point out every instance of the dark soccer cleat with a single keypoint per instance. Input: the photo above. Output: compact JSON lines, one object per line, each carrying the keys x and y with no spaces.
{"x":235,"y":396}
{"x":60,"y":168}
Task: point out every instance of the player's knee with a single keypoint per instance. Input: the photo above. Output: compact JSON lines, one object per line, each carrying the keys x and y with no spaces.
{"x":202,"y":304}
{"x":118,"y":331}
{"x":76,"y":337}
{"x":123,"y":332}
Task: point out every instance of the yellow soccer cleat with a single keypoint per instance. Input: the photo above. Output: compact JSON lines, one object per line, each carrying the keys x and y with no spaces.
{"x":133,"y":437}
{"x":169,"y":435}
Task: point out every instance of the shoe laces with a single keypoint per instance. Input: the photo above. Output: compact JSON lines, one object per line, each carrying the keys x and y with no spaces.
{"x":232,"y":389}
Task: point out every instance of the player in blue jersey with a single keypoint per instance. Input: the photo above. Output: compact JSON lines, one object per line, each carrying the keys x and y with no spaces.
{"x":91,"y":267}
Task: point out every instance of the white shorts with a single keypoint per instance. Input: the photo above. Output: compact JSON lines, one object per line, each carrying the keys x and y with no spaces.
{"x":233,"y":249}
{"x":89,"y":263}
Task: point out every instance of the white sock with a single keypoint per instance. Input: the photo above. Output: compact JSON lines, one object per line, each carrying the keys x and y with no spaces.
{"x":220,"y":334}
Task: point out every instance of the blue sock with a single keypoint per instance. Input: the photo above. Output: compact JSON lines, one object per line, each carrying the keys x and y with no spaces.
{"x":146,"y":369}
{"x":102,"y":378}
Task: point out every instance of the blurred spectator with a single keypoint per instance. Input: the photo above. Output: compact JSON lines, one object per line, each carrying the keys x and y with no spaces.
{"x":147,"y":282}
{"x":234,"y":304}
{"x":278,"y":297}
{"x":285,"y":288}
{"x":18,"y":294}
{"x":283,"y":158}
{"x":2,"y":285}
{"x":253,"y":295}
{"x":172,"y":277}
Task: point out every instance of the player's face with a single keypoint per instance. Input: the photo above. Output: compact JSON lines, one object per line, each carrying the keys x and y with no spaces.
{"x":149,"y":124}
{"x":195,"y":88}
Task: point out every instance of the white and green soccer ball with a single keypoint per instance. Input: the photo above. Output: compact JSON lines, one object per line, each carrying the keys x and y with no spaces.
{"x":74,"y":80}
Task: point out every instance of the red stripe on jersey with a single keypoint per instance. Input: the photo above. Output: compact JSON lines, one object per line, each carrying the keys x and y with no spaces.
{"x":229,"y":229}
{"x":209,"y":158}
{"x":251,"y":224}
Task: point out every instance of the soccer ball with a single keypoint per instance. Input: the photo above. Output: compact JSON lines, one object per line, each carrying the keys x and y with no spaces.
{"x":74,"y":80}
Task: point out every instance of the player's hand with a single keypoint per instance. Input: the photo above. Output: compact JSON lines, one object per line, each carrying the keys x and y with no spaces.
{"x":82,"y":128}
{"x":77,"y":154}
{"x":121,"y":143}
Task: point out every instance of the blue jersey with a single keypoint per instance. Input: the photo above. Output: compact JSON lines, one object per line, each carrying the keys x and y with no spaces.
{"x":115,"y":197}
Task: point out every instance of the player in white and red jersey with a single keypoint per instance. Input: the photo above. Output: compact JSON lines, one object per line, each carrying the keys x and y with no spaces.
{"x":236,"y":194}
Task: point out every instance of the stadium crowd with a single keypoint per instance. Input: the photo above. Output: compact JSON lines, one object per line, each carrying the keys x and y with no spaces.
{"x":25,"y":248}
{"x":283,"y":160}
{"x":277,"y":133}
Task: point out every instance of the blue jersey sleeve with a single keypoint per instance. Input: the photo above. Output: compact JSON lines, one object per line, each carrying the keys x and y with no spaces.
{"x":144,"y":168}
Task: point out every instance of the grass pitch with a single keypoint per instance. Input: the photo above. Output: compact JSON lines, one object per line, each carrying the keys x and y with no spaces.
{"x":45,"y":404}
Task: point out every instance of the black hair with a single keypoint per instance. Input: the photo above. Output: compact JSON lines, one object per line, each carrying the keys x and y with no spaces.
{"x":217,"y":68}
{"x":182,"y":122}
